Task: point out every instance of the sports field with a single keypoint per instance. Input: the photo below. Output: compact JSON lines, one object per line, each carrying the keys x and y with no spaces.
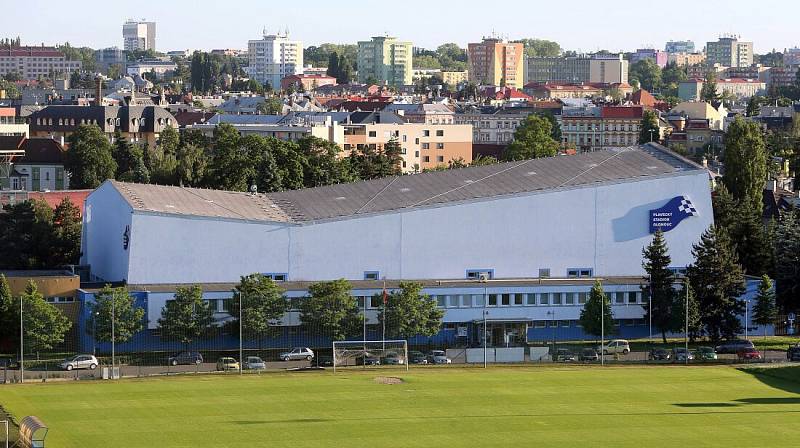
{"x":432,"y":407}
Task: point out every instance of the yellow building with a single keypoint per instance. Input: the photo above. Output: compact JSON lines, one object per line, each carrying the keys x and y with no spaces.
{"x":455,"y":78}
{"x":387,"y":60}
{"x":495,"y":62}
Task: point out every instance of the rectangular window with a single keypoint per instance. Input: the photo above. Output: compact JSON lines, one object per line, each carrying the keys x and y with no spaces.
{"x":573,"y":273}
{"x":226,"y":305}
{"x":531,"y":299}
{"x":632,"y":297}
{"x":440,"y":133}
{"x":519,"y":299}
{"x":453,"y":301}
{"x":557,"y":297}
{"x":565,"y":323}
{"x":506,"y":299}
{"x":466,"y":301}
{"x":570,"y":299}
{"x":476,"y":274}
{"x":426,"y":146}
{"x":426,"y":133}
{"x":582,"y":297}
{"x":426,"y":159}
{"x":441,"y":301}
{"x":371,"y":275}
{"x":478,"y":300}
{"x":361,"y":301}
{"x":373,"y":134}
{"x":492,"y":299}
{"x":544,"y":298}
{"x":440,"y":158}
{"x":579,"y":272}
{"x":619,"y":297}
{"x":376,"y":301}
{"x":440,"y":146}
{"x":539,"y":324}
{"x":544,"y":273}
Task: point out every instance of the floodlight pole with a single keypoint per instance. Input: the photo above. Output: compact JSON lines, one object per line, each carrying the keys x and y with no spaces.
{"x":485,"y":313}
{"x":686,"y":321}
{"x":21,"y":344}
{"x":241,"y":306}
{"x":746,"y":320}
{"x":602,"y":330}
{"x":113,"y":330}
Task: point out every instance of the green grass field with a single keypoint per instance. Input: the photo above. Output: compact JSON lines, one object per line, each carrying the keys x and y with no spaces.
{"x":511,"y":406}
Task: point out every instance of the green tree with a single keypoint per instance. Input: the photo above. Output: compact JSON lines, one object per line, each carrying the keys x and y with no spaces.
{"x":368,"y":163}
{"x":323,"y":165}
{"x":271,"y":106}
{"x":753,"y":245}
{"x":263,"y":305}
{"x":230,"y":167}
{"x":745,"y":162}
{"x":725,"y":207}
{"x":9,"y":315}
{"x":26,"y":236}
{"x":687,"y":298}
{"x":331,"y":310}
{"x":117,"y":305}
{"x":44,"y":326}
{"x":130,"y":161}
{"x":409,"y":313}
{"x":753,"y":106}
{"x":765,"y":310}
{"x":65,"y":243}
{"x":532,"y":140}
{"x":660,"y":285}
{"x":190,"y":166}
{"x":596,"y":317}
{"x":787,"y":262}
{"x":89,"y":159}
{"x":481,"y":160}
{"x":650,"y":131}
{"x":187,"y":317}
{"x":708,"y":92}
{"x":646,"y":73}
{"x":541,"y":48}
{"x":718,"y":281}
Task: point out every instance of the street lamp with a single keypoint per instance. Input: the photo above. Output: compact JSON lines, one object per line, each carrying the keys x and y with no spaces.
{"x":21,"y":344}
{"x":94,"y":332}
{"x":485,"y":315}
{"x":746,"y":317}
{"x":241,"y":358}
{"x":552,"y":314}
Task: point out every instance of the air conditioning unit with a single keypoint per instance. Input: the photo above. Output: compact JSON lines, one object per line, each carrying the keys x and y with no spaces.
{"x":483,"y":277}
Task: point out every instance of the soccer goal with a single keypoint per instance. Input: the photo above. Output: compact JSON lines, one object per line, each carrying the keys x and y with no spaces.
{"x":366,"y":353}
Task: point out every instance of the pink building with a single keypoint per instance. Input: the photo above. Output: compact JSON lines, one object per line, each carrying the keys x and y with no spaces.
{"x":658,"y":56}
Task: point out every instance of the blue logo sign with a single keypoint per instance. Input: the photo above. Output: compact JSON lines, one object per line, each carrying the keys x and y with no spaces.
{"x":670,"y":215}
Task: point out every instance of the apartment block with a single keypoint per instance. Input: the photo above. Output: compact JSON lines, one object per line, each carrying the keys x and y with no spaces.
{"x":385,"y":59}
{"x":496,"y":62}
{"x":606,"y":69}
{"x":593,"y":128}
{"x":679,"y":46}
{"x":657,"y":56}
{"x":729,"y":51}
{"x":274,"y":57}
{"x":34,"y":62}
{"x":139,"y":35}
{"x":686,"y":59}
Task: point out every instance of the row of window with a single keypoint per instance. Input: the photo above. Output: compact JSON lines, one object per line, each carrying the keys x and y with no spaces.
{"x":529,"y":299}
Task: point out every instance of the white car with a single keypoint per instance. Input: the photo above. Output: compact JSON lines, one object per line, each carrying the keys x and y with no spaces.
{"x":254,"y":363}
{"x":439,"y":357}
{"x":616,"y":346}
{"x":297,"y":353}
{"x":79,"y":362}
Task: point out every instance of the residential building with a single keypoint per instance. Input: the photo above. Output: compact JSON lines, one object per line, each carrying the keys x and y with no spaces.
{"x":106,"y":57}
{"x":155,"y":67}
{"x":606,"y":69}
{"x":657,"y":56}
{"x":10,"y":125}
{"x":40,"y":169}
{"x":435,"y":113}
{"x":138,"y":124}
{"x":290,"y":127}
{"x":679,"y":46}
{"x":690,"y":89}
{"x":755,"y":71}
{"x":496,"y":62}
{"x":139,"y":35}
{"x":385,"y":59}
{"x":497,"y":125}
{"x":686,"y":59}
{"x":785,"y":76}
{"x":562,"y":90}
{"x":791,"y":56}
{"x":36,"y":62}
{"x":693,"y":135}
{"x":455,"y":78}
{"x":308,"y":83}
{"x":594,"y":128}
{"x":702,"y":111}
{"x":274,"y":57}
{"x":499,"y":255}
{"x":729,"y":51}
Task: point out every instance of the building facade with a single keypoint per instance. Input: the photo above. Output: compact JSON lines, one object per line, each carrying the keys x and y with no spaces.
{"x":155,"y":67}
{"x":40,"y":169}
{"x":455,"y":78}
{"x":139,"y":35}
{"x":579,"y":69}
{"x":686,"y":59}
{"x":274,"y":57}
{"x":387,"y":60}
{"x":36,"y":62}
{"x":496,"y":62}
{"x":596,"y":128}
{"x":729,"y":51}
{"x":308,"y":83}
{"x":659,"y":57}
{"x":679,"y":46}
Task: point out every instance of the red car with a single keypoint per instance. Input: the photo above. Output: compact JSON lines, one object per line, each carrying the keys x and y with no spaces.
{"x":748,"y":354}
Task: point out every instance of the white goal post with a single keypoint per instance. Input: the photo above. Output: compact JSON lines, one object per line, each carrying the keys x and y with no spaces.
{"x":388,"y":352}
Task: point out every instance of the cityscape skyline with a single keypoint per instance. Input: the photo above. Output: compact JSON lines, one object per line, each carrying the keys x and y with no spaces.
{"x":706,"y":23}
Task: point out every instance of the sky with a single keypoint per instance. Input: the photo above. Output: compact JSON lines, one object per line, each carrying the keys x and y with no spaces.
{"x":581,"y":25}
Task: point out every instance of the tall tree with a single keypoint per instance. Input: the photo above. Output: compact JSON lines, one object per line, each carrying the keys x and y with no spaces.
{"x":684,"y":306}
{"x":191,"y":165}
{"x":754,"y":247}
{"x":331,"y":310}
{"x":187,"y":317}
{"x":230,"y":167}
{"x":787,"y":262}
{"x":263,"y":304}
{"x":130,"y":161}
{"x":650,"y":132}
{"x":646,"y":73}
{"x":532,"y":140}
{"x":114,"y":305}
{"x":9,"y":317}
{"x":44,"y":326}
{"x":408,"y":312}
{"x":89,"y":160}
{"x":745,"y":162}
{"x":718,"y":282}
{"x":660,"y":285}
{"x":708,"y":92}
{"x":596,"y":317}
{"x":65,"y":245}
{"x":765,"y":311}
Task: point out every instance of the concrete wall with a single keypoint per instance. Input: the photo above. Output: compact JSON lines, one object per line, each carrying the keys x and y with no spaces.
{"x":603,"y":228}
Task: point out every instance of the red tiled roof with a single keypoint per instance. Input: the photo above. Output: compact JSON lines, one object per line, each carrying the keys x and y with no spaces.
{"x":644,"y":98}
{"x":8,"y":112}
{"x":53,"y":198}
{"x":187,"y":118}
{"x":632,"y":112}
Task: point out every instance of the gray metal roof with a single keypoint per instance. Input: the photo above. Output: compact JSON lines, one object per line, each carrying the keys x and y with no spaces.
{"x":414,"y":191}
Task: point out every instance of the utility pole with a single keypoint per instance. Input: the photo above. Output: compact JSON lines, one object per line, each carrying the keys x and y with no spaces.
{"x":602,"y":330}
{"x":485,"y":313}
{"x":21,"y":344}
{"x":113,"y":332}
{"x":241,"y":306}
{"x":686,"y":321}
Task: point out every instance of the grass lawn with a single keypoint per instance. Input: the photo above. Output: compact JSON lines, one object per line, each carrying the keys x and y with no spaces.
{"x":446,"y":407}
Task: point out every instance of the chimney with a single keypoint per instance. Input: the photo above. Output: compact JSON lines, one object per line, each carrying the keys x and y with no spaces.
{"x":98,"y":91}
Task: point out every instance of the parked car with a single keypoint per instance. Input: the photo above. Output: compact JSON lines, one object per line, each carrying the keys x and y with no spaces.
{"x":254,"y":363}
{"x":680,"y":354}
{"x":748,"y":354}
{"x":659,"y":354}
{"x":325,"y":361}
{"x":297,"y":353}
{"x":438,"y":357}
{"x":616,"y":346}
{"x":392,"y":359}
{"x":186,"y":358}
{"x":7,"y":362}
{"x":226,"y":363}
{"x":793,"y":353}
{"x":368,"y":360}
{"x":734,"y":346}
{"x":705,"y":354}
{"x":563,"y":355}
{"x":589,"y":354}
{"x":79,"y":362}
{"x":415,"y":357}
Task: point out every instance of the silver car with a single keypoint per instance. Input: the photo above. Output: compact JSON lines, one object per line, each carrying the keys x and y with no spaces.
{"x":254,"y":363}
{"x":79,"y":362}
{"x":297,"y":353}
